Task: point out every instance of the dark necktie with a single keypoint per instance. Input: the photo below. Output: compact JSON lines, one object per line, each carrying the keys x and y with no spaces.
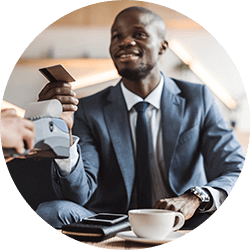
{"x":143,"y":173}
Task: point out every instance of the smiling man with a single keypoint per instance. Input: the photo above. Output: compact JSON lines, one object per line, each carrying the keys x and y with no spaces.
{"x":150,"y":141}
{"x":136,"y":45}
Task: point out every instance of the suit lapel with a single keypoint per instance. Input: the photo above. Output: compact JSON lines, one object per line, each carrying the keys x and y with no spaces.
{"x":117,"y":120}
{"x":172,"y":110}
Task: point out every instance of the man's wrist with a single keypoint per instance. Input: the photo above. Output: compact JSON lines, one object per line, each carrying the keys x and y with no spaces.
{"x":71,"y":138}
{"x":203,"y":196}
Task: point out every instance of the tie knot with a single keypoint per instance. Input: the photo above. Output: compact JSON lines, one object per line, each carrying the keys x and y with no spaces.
{"x":141,"y":106}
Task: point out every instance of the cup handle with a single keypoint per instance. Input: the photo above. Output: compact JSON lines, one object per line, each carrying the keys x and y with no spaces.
{"x":180,"y":222}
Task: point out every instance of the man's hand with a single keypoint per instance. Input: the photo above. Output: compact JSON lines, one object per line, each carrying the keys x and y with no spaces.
{"x":64,"y":93}
{"x":15,"y":130}
{"x":187,"y":204}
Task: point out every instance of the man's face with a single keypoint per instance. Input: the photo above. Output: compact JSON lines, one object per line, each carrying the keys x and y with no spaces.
{"x":135,"y":45}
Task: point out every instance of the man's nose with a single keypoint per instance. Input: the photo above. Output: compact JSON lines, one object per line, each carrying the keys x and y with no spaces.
{"x":128,"y":41}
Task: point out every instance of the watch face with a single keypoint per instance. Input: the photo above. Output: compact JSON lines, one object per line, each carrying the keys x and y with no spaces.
{"x":201,"y":194}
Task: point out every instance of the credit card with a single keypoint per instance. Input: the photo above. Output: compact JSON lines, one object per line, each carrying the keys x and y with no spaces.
{"x":57,"y":73}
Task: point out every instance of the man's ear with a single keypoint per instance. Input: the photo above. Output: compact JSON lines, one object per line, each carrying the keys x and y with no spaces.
{"x":164,"y":46}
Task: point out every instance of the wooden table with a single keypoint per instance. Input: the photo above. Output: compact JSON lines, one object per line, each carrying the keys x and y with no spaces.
{"x":119,"y":243}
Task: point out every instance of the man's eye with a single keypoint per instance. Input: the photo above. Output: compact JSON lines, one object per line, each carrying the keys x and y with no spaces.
{"x":116,"y":36}
{"x":141,"y":35}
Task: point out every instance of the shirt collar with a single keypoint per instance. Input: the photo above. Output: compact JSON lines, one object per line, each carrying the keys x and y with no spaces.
{"x":154,"y":98}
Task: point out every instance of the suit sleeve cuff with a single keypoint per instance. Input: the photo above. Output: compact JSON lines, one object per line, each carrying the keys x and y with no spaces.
{"x":217,"y":195}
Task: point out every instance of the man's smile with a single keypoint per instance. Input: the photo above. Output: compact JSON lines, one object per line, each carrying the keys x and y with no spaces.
{"x":128,"y":55}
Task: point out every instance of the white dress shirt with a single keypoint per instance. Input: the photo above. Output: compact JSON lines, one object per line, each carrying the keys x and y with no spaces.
{"x":160,"y":188}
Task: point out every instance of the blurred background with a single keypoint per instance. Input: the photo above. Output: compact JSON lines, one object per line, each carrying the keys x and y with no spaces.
{"x":80,"y":42}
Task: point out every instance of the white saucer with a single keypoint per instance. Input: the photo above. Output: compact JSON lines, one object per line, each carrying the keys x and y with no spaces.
{"x":129,"y":235}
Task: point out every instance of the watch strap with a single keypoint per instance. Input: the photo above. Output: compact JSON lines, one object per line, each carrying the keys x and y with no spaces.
{"x":202,"y":195}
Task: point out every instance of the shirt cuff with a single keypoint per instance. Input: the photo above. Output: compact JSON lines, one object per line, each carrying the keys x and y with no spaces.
{"x":65,"y":165}
{"x":218,"y":197}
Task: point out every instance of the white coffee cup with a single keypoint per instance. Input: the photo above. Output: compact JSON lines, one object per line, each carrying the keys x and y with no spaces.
{"x":154,"y":223}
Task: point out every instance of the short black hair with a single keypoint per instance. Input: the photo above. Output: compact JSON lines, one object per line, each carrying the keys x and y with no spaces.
{"x":155,"y":17}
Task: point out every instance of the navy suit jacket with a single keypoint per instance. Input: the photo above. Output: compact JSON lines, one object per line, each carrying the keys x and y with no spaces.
{"x":199,"y":147}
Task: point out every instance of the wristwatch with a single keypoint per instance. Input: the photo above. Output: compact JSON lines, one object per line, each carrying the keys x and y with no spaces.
{"x":202,"y":195}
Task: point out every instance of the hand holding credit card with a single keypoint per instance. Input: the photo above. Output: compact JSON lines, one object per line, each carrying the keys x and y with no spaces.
{"x":60,"y":88}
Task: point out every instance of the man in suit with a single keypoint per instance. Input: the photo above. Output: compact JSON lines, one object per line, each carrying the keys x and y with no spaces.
{"x":195,"y":159}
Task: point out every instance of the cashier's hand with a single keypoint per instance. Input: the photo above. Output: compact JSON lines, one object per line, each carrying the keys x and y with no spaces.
{"x":187,"y":204}
{"x":64,"y":93}
{"x":15,"y":130}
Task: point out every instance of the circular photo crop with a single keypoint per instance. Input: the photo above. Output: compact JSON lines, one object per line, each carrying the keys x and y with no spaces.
{"x":124,"y":124}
